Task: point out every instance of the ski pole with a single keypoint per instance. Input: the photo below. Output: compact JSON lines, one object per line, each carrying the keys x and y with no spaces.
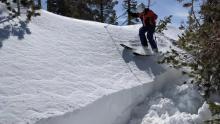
{"x":148,"y":4}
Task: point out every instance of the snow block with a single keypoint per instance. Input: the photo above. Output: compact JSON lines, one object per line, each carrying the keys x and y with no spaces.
{"x":115,"y":108}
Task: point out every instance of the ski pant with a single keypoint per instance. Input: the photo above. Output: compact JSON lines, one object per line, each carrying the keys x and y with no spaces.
{"x":150,"y":33}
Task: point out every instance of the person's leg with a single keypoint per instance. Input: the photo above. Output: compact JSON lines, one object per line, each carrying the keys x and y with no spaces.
{"x":150,"y":37}
{"x":142,"y":36}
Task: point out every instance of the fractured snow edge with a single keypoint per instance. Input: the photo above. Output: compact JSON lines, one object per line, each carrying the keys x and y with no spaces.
{"x":115,"y":108}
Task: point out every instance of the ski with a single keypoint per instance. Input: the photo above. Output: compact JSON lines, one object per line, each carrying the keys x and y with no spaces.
{"x":127,"y":46}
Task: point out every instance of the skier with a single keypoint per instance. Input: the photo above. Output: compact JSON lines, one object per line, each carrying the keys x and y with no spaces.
{"x":148,"y":18}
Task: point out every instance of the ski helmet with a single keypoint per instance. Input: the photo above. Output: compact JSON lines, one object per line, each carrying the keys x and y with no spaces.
{"x":140,"y":8}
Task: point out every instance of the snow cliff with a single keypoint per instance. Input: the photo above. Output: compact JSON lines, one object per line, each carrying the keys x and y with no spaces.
{"x":59,"y":70}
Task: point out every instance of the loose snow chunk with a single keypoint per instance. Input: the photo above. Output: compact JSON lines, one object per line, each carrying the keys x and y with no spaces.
{"x":172,"y":106}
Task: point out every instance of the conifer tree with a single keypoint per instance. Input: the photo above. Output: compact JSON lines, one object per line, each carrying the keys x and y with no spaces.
{"x":201,"y":47}
{"x":103,"y":11}
{"x":52,"y":6}
{"x":39,"y":4}
{"x":61,"y":7}
{"x":96,"y":10}
{"x":130,"y":5}
{"x":162,"y":24}
{"x":81,"y":9}
{"x":201,"y":42}
{"x":29,"y":5}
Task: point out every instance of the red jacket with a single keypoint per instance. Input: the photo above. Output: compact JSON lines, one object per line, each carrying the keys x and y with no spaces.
{"x":148,"y":17}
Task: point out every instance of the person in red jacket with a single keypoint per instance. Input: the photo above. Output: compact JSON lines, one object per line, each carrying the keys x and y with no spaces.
{"x":148,"y":19}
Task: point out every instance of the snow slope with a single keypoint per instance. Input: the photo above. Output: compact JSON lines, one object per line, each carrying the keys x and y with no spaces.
{"x":58,"y":70}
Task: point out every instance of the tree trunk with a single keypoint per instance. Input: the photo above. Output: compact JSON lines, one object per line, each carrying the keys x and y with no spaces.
{"x":101,"y":11}
{"x":39,"y":4}
{"x":18,"y":6}
{"x":129,"y":8}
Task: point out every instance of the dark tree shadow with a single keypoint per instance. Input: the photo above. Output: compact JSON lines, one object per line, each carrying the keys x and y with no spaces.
{"x":148,"y":64}
{"x":19,"y":30}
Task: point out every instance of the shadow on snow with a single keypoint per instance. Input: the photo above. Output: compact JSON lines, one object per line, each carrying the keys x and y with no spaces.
{"x":144,"y":63}
{"x":18,"y":30}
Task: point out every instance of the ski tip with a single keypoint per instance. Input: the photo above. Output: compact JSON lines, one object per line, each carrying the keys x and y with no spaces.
{"x":123,"y":45}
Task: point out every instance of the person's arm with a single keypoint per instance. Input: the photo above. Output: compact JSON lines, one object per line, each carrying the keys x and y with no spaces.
{"x":136,"y":15}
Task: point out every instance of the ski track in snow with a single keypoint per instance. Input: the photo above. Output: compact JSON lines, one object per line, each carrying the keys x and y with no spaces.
{"x":57,"y":65}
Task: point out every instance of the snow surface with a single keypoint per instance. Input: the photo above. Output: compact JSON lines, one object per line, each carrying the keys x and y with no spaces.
{"x":59,"y":70}
{"x":173,"y":33}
